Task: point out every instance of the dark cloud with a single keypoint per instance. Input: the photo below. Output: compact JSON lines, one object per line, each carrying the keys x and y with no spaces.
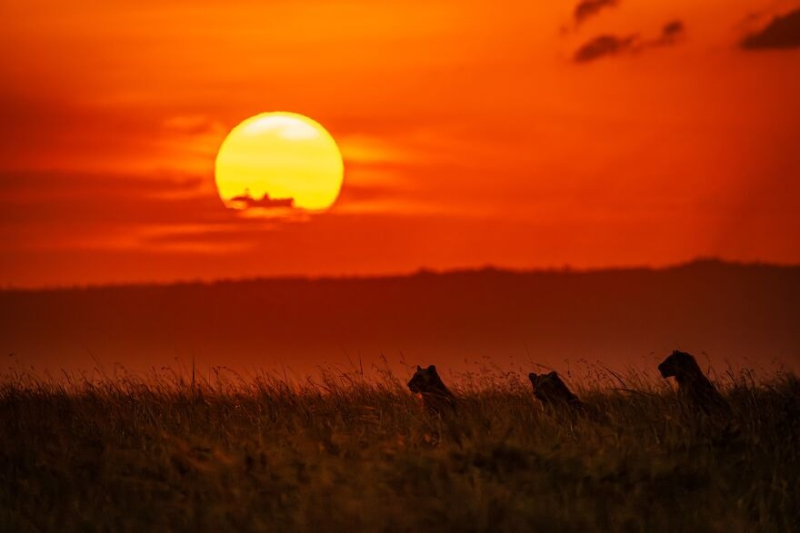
{"x":76,"y":205}
{"x":63,"y":130}
{"x":158,"y":213}
{"x":603,"y":46}
{"x":246,"y":201}
{"x":38,"y":185}
{"x":589,"y":8}
{"x":611,"y":45}
{"x":233,"y":233}
{"x":781,"y":33}
{"x":671,"y":32}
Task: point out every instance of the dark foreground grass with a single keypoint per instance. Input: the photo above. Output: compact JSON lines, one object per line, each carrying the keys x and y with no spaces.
{"x":346,"y":455}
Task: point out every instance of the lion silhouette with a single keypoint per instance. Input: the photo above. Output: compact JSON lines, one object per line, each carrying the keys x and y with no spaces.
{"x":694,"y":388}
{"x":435,"y":395}
{"x":551,"y":391}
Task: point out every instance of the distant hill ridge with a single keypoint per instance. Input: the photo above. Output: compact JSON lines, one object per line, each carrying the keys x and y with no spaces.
{"x":698,"y":265}
{"x":739,"y":313}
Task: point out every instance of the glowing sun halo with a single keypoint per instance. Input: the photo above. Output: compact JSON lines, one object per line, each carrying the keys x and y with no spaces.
{"x":279,"y":159}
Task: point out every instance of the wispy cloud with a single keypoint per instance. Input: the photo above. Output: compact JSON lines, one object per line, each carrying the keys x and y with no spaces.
{"x":589,"y":8}
{"x":604,"y":46}
{"x":612,"y":45}
{"x":671,"y":33}
{"x":79,"y":209}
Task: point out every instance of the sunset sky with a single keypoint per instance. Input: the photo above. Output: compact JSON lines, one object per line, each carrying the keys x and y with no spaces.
{"x":514,"y":134}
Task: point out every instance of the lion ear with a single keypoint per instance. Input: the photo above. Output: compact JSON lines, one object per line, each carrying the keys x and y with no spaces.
{"x":553,"y":373}
{"x":432,"y":368}
{"x":419,"y":368}
{"x":531,"y":376}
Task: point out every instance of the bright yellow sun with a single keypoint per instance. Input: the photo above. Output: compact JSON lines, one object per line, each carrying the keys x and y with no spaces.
{"x":275,"y":160}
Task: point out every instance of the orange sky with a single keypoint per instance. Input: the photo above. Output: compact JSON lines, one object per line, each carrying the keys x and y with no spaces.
{"x":474,"y":133}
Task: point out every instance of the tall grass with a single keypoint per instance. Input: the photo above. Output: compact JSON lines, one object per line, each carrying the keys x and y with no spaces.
{"x":343,"y":452}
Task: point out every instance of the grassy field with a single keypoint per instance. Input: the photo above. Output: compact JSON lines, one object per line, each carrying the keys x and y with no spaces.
{"x":345,"y":454}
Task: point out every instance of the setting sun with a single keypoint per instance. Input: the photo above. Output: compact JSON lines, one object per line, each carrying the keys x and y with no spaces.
{"x":279,"y":160}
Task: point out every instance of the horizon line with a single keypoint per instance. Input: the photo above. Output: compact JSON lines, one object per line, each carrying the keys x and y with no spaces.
{"x":421,"y":271}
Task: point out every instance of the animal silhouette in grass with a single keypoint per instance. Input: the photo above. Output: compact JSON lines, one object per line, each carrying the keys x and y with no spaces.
{"x":551,"y":391}
{"x":694,"y":388}
{"x":435,"y":394}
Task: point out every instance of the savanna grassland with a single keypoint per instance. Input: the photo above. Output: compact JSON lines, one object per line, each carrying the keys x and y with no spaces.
{"x":344,"y":453}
